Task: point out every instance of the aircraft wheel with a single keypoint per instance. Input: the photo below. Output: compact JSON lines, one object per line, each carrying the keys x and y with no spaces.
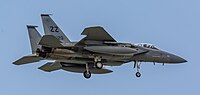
{"x":87,"y":74}
{"x":98,"y":65}
{"x":138,"y":74}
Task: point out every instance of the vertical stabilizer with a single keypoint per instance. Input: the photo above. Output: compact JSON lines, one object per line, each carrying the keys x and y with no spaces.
{"x":34,"y":36}
{"x":50,"y":28}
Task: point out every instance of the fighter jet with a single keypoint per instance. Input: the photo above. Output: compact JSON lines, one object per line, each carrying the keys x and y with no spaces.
{"x":92,"y":54}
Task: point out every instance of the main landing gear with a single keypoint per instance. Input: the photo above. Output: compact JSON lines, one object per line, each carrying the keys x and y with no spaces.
{"x":137,"y":66}
{"x":87,"y":74}
{"x":98,"y":62}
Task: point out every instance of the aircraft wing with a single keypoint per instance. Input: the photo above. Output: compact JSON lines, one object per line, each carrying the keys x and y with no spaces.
{"x":27,"y":59}
{"x":50,"y":41}
{"x":96,"y":33}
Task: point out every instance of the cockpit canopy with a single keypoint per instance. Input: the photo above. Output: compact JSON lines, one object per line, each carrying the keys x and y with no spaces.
{"x":147,"y":45}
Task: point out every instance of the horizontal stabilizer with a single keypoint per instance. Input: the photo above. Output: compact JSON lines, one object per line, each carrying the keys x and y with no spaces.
{"x":50,"y":66}
{"x":27,"y":59}
{"x":50,"y":41}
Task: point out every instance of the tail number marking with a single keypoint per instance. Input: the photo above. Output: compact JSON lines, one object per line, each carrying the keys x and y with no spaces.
{"x":54,"y":28}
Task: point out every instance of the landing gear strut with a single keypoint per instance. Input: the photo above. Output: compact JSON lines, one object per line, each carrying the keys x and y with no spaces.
{"x":137,"y":66}
{"x":98,"y":63}
{"x":87,"y":74}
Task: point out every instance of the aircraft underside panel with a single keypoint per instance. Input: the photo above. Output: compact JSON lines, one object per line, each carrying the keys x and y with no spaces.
{"x":93,"y":70}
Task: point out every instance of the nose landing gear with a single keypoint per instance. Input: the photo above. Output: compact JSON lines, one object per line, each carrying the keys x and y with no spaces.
{"x":138,"y":74}
{"x":137,"y":66}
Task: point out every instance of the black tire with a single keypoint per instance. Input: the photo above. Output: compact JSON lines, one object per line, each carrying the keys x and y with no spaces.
{"x":138,"y":74}
{"x":87,"y":75}
{"x":98,"y":65}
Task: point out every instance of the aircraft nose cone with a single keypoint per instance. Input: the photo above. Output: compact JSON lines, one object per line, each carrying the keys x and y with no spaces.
{"x":177,"y":59}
